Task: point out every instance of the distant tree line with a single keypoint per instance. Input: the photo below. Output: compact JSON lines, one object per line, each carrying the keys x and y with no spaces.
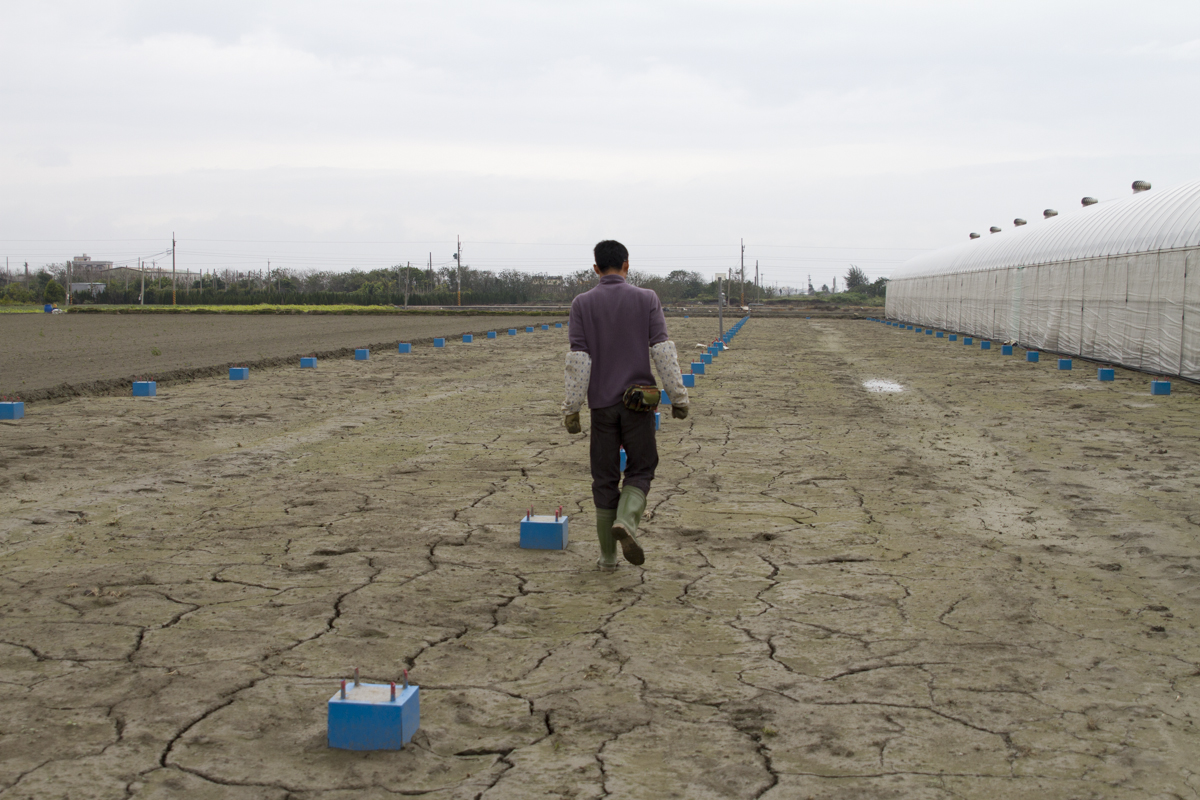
{"x":390,"y":286}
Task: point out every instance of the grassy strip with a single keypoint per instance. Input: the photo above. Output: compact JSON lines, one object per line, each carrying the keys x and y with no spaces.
{"x":20,"y":308}
{"x":302,"y":309}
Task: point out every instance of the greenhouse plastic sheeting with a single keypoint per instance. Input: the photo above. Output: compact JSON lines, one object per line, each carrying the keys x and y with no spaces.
{"x":1117,"y":282}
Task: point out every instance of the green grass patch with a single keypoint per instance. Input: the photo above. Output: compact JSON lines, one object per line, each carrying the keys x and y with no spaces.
{"x":299,"y":309}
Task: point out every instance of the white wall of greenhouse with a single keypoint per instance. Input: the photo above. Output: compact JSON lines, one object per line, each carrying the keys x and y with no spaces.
{"x":1117,"y":282}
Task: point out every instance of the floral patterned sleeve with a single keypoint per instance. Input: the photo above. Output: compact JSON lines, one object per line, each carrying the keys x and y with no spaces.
{"x":666,"y":361}
{"x":578,"y":375}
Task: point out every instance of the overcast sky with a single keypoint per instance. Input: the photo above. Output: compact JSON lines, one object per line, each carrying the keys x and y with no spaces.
{"x":363,"y":134}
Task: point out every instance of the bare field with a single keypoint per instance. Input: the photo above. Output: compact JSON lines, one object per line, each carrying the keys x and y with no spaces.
{"x":63,"y":355}
{"x":982,"y":586}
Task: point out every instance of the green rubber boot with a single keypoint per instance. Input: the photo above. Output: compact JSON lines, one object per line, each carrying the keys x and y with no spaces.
{"x":608,"y":545}
{"x":629,"y":516}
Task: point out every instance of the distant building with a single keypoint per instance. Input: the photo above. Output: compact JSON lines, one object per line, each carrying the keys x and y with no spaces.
{"x":91,"y":288}
{"x":85,"y":262}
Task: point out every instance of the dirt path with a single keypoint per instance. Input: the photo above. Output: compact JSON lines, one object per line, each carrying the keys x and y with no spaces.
{"x":982,"y":586}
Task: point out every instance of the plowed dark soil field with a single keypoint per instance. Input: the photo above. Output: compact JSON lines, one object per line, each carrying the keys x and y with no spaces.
{"x":985,"y":584}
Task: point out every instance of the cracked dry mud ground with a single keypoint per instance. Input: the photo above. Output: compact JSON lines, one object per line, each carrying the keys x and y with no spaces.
{"x":984,"y":586}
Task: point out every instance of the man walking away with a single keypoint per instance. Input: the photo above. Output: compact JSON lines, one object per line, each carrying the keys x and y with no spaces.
{"x":615,"y":331}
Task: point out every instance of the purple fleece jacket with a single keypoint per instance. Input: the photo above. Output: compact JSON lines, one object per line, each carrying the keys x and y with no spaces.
{"x":616,"y":324}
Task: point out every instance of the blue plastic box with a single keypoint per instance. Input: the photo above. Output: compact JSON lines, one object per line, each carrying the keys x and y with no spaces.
{"x":985,"y":345}
{"x":953,"y":337}
{"x":362,"y":354}
{"x":1006,"y":349}
{"x":929,"y":331}
{"x":1160,"y":387}
{"x":689,"y":381}
{"x":909,"y":327}
{"x":706,"y":358}
{"x":558,"y":324}
{"x":544,"y":532}
{"x":468,"y":338}
{"x":145,"y":388}
{"x":1032,"y":355}
{"x":698,"y":367}
{"x":545,"y":327}
{"x":940,"y":334}
{"x":512,"y":331}
{"x":491,"y":334}
{"x":624,"y":459}
{"x":405,"y":347}
{"x":529,"y":329}
{"x":1064,"y":363}
{"x":657,"y":421}
{"x":368,"y":719}
{"x":239,"y":373}
{"x":664,"y":399}
{"x":12,"y":409}
{"x":919,"y":330}
{"x":308,"y":363}
{"x":968,"y":340}
{"x":439,"y":342}
{"x":1106,"y":374}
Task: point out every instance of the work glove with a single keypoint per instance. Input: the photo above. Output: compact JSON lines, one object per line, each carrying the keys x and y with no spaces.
{"x":679,"y":412}
{"x":572,"y":423}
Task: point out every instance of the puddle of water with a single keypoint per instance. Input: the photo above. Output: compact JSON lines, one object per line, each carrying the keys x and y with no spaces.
{"x":879,"y":385}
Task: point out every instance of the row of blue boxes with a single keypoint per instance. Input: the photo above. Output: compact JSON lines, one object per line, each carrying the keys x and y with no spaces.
{"x":1033,"y":356}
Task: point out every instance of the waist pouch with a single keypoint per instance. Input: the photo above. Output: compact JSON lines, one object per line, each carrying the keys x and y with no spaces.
{"x":641,"y":398}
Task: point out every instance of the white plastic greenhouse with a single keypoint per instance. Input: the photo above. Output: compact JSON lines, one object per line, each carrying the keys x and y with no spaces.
{"x":1117,"y":282}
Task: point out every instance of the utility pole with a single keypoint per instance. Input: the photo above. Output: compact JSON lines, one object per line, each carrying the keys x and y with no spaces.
{"x":743,"y":281}
{"x":429,"y":278}
{"x":141,"y":269}
{"x":458,"y":258}
{"x":407,"y":267}
{"x":172,"y":267}
{"x":720,"y":308}
{"x":757,"y":286}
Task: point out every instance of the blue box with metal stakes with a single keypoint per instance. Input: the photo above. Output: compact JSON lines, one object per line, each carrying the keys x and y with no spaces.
{"x":1032,"y":356}
{"x":624,"y":460}
{"x":689,"y":381}
{"x":529,"y":329}
{"x":919,"y":330}
{"x":968,"y":340}
{"x":657,"y":421}
{"x":908,"y":327}
{"x":439,"y":342}
{"x":706,"y":358}
{"x":558,"y":324}
{"x":405,"y":347}
{"x":1006,"y":349}
{"x":545,"y":327}
{"x":362,"y":354}
{"x":664,"y":399}
{"x":145,"y":388}
{"x":239,"y":373}
{"x":308,"y":362}
{"x":698,"y":367}
{"x":940,"y":334}
{"x":468,"y":338}
{"x":985,"y":345}
{"x":544,"y":531}
{"x":1064,"y":363}
{"x":373,"y":716}
{"x":1106,"y":374}
{"x":491,"y":334}
{"x":512,"y":331}
{"x":953,"y":337}
{"x":12,"y":409}
{"x":1160,"y":387}
{"x":929,"y":331}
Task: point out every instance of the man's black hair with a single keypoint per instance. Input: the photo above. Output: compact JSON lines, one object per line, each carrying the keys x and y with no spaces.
{"x":610,"y":255}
